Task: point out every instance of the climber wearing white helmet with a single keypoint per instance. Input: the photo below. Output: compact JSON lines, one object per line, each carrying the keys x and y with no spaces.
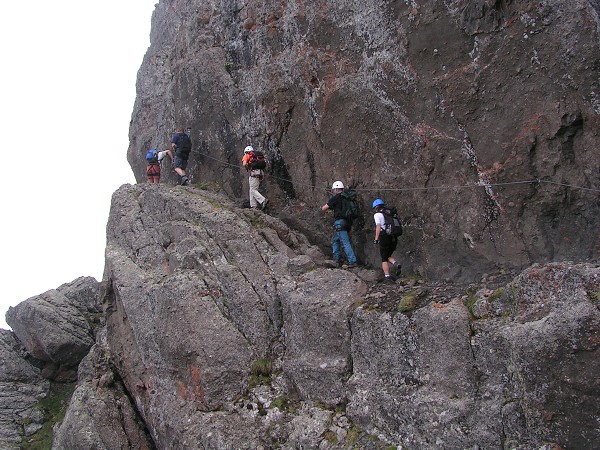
{"x":342,"y":225}
{"x":254,"y":162}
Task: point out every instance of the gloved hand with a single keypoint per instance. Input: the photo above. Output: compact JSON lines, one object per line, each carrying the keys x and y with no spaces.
{"x":375,"y":241}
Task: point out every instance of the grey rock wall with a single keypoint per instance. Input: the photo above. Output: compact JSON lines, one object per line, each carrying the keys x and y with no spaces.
{"x":414,"y":95}
{"x":516,"y":375}
{"x":100,"y":414}
{"x":226,"y":329}
{"x":21,"y":388}
{"x":201,"y":291}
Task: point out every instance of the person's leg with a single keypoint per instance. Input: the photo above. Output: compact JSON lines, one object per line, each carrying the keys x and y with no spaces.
{"x":252,"y":186}
{"x":345,"y":238}
{"x":156,"y":173}
{"x":149,"y":173}
{"x":180,"y":166}
{"x":391,"y":259}
{"x":335,"y":247}
{"x":153,"y":173}
{"x":385,"y":251}
{"x":255,"y":196}
{"x":386,"y":268}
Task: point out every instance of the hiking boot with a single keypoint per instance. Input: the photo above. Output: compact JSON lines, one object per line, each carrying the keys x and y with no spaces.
{"x":351,"y":266}
{"x":397,"y":269}
{"x":185,"y":180}
{"x":388,"y":280}
{"x":339,"y":263}
{"x":264,"y":204}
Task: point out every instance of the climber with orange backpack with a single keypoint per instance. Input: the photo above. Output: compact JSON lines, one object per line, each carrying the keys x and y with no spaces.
{"x":255,"y":163}
{"x":387,"y":229}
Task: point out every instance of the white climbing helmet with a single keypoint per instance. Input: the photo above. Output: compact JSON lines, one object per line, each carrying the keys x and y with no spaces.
{"x":248,"y":149}
{"x":338,"y":185}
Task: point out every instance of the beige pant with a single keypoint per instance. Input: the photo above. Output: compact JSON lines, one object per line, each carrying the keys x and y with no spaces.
{"x":254,"y":183}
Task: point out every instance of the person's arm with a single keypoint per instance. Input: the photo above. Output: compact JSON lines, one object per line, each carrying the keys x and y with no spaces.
{"x":377,"y":229}
{"x":325,"y":207}
{"x":377,"y":232}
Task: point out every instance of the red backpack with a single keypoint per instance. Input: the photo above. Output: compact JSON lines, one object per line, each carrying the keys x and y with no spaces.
{"x":257,"y":160}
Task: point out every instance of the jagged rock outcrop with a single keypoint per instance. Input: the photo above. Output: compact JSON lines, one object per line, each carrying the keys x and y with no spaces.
{"x":519,"y":375}
{"x":52,"y":332}
{"x":221,"y":341}
{"x":56,"y":326}
{"x":225,"y":329}
{"x":21,"y":388}
{"x":198,"y":288}
{"x":393,"y":94}
{"x":100,"y":414}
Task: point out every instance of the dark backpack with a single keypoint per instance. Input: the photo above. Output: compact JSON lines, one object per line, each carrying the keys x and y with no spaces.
{"x":350,"y":208}
{"x":393,"y":225}
{"x":257,"y":160}
{"x":152,"y":156}
{"x":184,"y":144}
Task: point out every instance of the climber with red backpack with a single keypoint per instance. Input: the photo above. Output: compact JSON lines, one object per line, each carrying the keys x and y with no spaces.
{"x":255,"y":163}
{"x":387,"y":229}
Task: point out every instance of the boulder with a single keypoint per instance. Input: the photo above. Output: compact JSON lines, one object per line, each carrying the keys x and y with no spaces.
{"x":53,"y":331}
{"x":316,"y":309}
{"x":83,"y":293}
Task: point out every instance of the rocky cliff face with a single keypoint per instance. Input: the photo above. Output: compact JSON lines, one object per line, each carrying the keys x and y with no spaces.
{"x":225,"y":328}
{"x":220,"y":327}
{"x":416,"y":95}
{"x":52,"y":332}
{"x":210,"y":300}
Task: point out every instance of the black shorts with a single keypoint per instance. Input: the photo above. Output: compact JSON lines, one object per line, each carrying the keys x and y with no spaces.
{"x":181,"y":161}
{"x":387,"y":245}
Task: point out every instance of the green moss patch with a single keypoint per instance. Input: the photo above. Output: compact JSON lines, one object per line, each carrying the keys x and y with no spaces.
{"x":408,"y":301}
{"x":260,"y":372}
{"x":54,"y":407}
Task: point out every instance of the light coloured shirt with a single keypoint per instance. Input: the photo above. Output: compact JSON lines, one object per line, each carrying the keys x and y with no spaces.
{"x":379,"y":219}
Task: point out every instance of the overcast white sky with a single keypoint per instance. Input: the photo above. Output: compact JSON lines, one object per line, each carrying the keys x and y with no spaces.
{"x":67,"y":88}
